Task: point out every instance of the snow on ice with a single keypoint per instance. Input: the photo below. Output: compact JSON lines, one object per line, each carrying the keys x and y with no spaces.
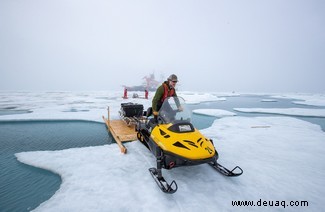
{"x":214,"y":112}
{"x":286,"y":111}
{"x":283,"y":159}
{"x":305,"y":99}
{"x":269,"y":100}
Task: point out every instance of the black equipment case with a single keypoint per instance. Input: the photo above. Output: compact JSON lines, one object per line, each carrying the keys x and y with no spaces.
{"x":130,"y":109}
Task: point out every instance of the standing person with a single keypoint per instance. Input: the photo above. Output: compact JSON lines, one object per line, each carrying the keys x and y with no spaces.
{"x":167,"y":89}
{"x":146,"y":94}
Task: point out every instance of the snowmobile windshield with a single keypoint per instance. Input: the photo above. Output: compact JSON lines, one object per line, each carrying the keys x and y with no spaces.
{"x":173,"y":110}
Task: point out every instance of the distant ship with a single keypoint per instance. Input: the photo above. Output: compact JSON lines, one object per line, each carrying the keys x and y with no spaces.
{"x":149,"y":84}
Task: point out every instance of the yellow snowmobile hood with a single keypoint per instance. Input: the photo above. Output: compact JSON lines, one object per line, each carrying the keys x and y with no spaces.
{"x":191,"y":145}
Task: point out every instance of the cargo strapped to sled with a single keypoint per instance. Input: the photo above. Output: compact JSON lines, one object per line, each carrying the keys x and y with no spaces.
{"x":130,"y":109}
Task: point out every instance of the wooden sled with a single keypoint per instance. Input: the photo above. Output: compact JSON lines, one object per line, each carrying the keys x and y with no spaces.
{"x":120,"y":131}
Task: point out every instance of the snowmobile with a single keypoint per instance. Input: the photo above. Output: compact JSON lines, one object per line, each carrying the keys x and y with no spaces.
{"x":175,"y":142}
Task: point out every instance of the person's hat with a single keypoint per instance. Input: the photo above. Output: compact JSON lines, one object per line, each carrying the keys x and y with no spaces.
{"x":172,"y":77}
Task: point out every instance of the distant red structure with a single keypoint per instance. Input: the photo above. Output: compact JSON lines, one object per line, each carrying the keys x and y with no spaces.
{"x":149,"y":84}
{"x":125,"y":96}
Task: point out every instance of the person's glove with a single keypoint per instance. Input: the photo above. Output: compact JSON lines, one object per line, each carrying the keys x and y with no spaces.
{"x":180,"y":109}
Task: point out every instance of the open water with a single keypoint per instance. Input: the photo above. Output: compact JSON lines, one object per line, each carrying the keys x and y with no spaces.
{"x":23,"y":187}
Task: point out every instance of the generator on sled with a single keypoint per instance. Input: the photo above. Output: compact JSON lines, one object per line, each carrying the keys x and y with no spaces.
{"x":175,"y":142}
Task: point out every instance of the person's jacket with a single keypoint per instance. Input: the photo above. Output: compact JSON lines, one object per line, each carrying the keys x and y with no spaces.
{"x":162,"y":93}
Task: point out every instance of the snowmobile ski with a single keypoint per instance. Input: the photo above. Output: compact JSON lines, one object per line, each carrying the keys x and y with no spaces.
{"x":223,"y":170}
{"x":161,"y":182}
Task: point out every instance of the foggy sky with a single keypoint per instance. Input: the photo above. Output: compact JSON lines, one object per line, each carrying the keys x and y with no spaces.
{"x":212,"y":45}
